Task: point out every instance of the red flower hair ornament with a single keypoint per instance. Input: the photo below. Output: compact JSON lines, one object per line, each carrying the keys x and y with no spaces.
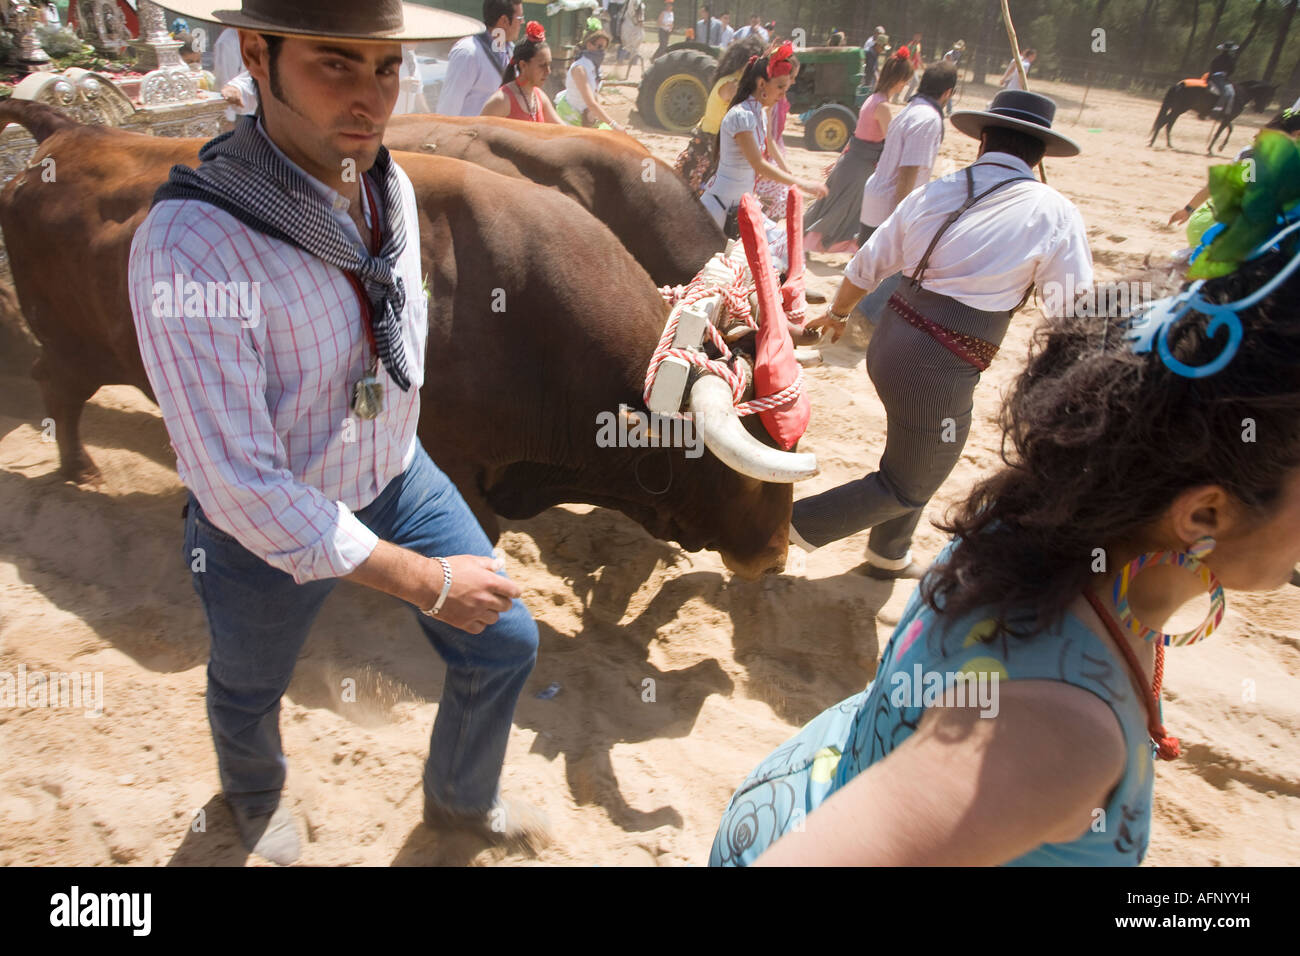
{"x":902,"y":53}
{"x":536,"y":32}
{"x":779,"y":63}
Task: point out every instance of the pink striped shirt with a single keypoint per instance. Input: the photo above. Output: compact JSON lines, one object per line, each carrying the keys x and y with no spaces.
{"x":257,"y":399}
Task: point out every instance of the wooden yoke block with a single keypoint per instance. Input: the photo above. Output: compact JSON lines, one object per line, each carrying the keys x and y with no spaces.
{"x":670,"y":386}
{"x":691,"y":322}
{"x":669,"y":389}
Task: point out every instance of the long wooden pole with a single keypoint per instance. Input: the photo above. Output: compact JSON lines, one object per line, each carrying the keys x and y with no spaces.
{"x":1084,"y":101}
{"x":1020,"y":66}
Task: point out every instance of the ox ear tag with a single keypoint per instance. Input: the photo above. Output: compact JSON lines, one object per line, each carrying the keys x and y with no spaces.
{"x":368,"y":398}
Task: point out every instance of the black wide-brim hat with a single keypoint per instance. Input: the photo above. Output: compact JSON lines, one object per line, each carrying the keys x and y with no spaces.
{"x":383,"y":21}
{"x":1029,"y":113}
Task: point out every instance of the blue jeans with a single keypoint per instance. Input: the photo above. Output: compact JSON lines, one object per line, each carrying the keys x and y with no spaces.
{"x":259,"y":619}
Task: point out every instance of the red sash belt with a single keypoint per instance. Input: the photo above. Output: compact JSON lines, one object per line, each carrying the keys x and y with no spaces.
{"x":969,"y":349}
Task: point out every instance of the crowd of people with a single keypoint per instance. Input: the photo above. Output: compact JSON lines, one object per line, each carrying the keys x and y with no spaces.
{"x":1112,"y":445}
{"x":889,"y":779}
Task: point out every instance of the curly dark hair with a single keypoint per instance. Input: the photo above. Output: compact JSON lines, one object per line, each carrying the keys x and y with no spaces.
{"x":1098,"y":441}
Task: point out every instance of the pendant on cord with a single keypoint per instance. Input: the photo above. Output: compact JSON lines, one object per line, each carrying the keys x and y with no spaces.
{"x":368,"y":394}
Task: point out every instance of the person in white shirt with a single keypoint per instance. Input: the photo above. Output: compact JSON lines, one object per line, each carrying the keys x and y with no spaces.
{"x":743,"y":139}
{"x":975,"y":244}
{"x":755,"y":26}
{"x":728,"y":31}
{"x":241,"y":94}
{"x":876,"y":44}
{"x":708,"y":29}
{"x":665,"y":22}
{"x":295,"y":415}
{"x":411,"y":99}
{"x":578,"y":104}
{"x":1011,"y":78}
{"x":910,"y":148}
{"x":226,"y":61}
{"x":477,"y":63}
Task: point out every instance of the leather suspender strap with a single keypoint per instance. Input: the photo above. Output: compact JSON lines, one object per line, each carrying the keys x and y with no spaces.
{"x":971,"y":199}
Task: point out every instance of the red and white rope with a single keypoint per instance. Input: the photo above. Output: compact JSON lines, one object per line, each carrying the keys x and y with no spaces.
{"x":726,"y":278}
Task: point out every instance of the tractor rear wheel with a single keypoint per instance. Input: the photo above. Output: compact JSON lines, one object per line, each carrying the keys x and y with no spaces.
{"x":675,"y":90}
{"x":829,"y":128}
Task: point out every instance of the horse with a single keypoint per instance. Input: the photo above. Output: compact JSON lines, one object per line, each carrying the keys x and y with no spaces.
{"x":1193,"y":94}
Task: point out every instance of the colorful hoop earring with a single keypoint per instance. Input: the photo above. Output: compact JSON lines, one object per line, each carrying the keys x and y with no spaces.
{"x":1189,"y":559}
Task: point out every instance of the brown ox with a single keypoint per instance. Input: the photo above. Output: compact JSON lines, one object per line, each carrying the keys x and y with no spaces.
{"x":512,"y":398}
{"x":655,"y":214}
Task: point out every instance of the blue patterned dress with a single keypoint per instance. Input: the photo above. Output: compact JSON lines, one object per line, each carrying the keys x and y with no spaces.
{"x":843,"y":741}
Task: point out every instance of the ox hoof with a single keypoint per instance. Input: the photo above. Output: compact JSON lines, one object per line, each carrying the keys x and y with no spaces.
{"x":808,"y":358}
{"x":83,"y":473}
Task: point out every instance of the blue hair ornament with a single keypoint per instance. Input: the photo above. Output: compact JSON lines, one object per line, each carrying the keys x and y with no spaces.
{"x":1151,"y":327}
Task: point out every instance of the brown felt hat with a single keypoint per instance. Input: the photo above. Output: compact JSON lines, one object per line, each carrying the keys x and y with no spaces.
{"x":388,"y":21}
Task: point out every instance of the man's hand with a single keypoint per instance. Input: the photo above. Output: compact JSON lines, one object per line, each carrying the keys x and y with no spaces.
{"x":1179,"y":217}
{"x":828,"y":320}
{"x":478,"y":596}
{"x":233,"y":96}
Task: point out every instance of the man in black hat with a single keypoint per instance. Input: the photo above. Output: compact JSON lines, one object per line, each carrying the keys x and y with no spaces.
{"x":974,"y":244}
{"x":1221,"y":68}
{"x":295,"y":420}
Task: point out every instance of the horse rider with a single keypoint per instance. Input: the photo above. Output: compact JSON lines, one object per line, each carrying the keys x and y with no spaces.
{"x":1221,"y":68}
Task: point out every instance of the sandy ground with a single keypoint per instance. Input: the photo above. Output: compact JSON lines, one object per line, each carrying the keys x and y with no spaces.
{"x":91,"y":581}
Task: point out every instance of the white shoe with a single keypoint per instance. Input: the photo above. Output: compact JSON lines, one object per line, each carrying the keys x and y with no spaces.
{"x":797,"y":540}
{"x":891,"y":569}
{"x":272,"y":836}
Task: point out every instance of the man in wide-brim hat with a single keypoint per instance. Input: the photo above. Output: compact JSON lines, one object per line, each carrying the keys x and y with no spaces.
{"x":294,"y":415}
{"x":974,"y":244}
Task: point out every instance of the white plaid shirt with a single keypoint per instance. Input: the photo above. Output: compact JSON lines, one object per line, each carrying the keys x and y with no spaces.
{"x":258,"y":407}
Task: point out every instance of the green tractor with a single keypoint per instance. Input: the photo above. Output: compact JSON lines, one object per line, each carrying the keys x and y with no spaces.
{"x":826,"y":95}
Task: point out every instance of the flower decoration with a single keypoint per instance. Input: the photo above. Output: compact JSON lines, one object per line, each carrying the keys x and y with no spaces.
{"x":1257,"y":205}
{"x":536,"y":32}
{"x":779,"y":63}
{"x":1251,"y":199}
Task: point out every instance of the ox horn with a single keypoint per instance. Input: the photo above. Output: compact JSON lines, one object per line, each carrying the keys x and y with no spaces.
{"x":723,"y":434}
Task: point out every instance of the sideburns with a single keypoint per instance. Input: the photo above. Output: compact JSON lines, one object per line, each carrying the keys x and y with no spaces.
{"x":277,"y":88}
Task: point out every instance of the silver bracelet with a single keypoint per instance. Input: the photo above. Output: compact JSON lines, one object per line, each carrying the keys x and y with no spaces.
{"x":446,"y":588}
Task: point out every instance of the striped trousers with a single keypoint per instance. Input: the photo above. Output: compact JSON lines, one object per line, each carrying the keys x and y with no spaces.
{"x":927,"y":394}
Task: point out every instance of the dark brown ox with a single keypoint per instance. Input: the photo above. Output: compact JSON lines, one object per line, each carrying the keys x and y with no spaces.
{"x":653,"y":211}
{"x":511,"y":398}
